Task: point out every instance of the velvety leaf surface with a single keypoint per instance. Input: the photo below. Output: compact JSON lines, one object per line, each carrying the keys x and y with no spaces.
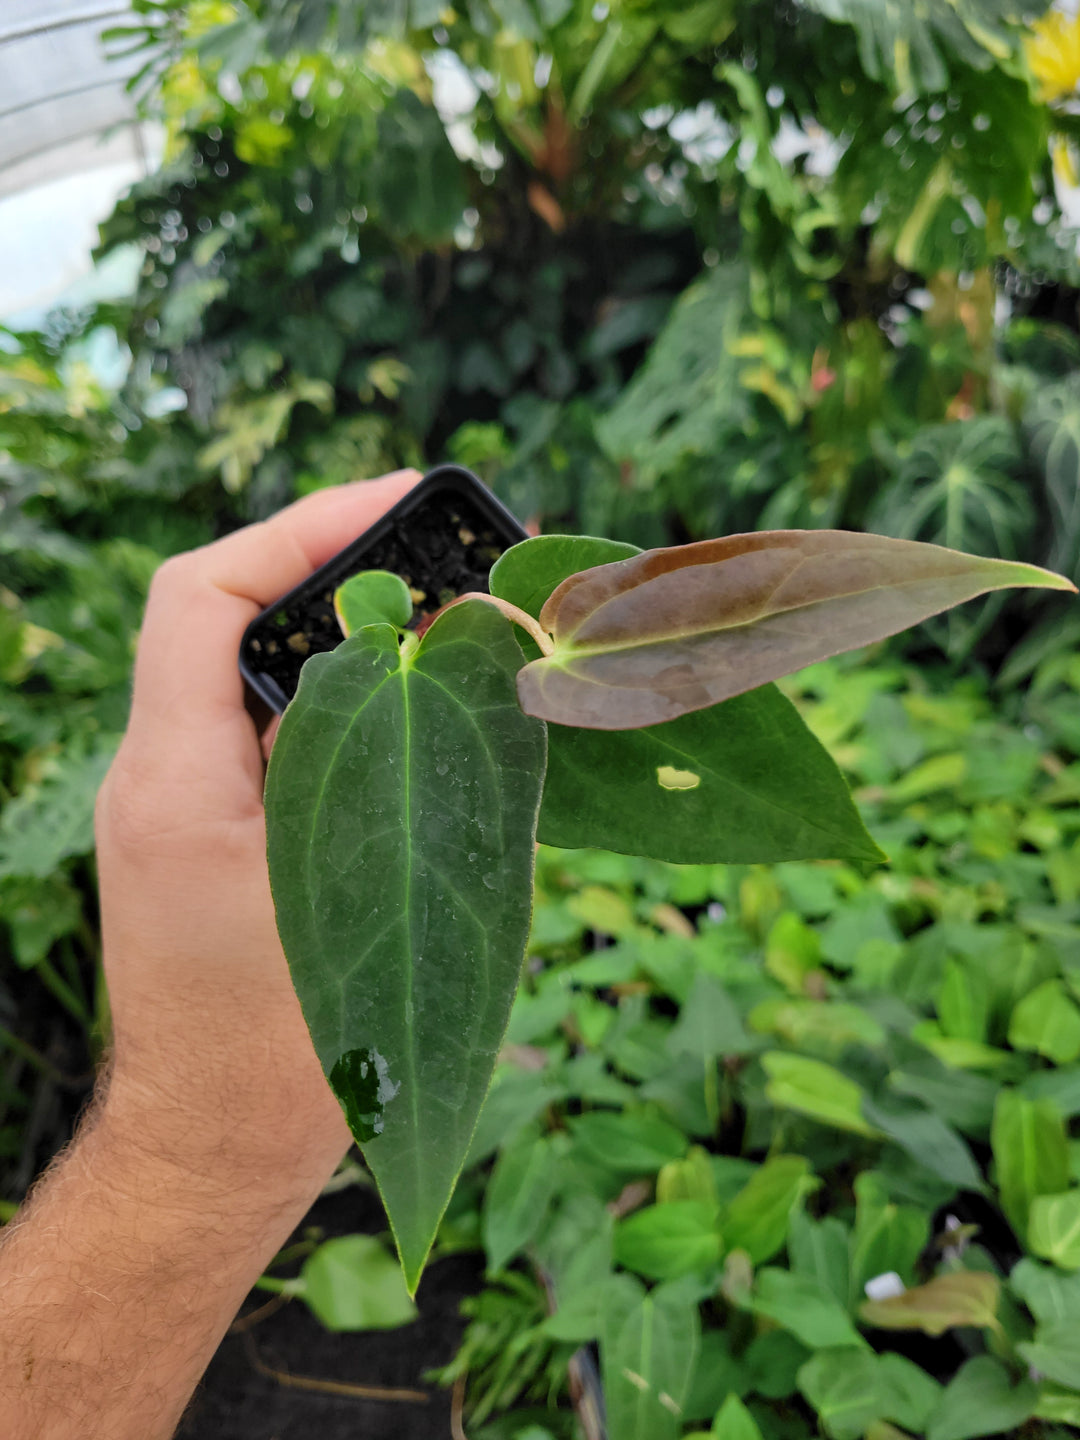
{"x":753,"y":785}
{"x":401,"y":805}
{"x":526,"y":574}
{"x":648,"y":639}
{"x":764,"y":789}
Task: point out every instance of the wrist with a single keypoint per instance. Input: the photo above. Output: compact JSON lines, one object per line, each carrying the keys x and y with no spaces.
{"x":203,"y":1163}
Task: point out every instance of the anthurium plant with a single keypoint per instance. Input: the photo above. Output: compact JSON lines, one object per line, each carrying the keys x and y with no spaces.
{"x":598,"y":696}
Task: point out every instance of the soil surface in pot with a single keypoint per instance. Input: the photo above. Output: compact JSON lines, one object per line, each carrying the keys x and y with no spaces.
{"x":239,"y":1400}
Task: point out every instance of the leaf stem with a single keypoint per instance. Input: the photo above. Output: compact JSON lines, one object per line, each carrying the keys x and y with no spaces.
{"x":512,"y":612}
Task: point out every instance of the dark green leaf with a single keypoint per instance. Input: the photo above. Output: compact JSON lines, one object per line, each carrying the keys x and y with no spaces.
{"x":709,"y":1025}
{"x":740,"y":782}
{"x":850,"y":1389}
{"x":648,"y":1352}
{"x":517,"y":1197}
{"x":981,"y":1400}
{"x":819,"y":1250}
{"x":401,"y":800}
{"x":807,"y":1309}
{"x":632,"y":1141}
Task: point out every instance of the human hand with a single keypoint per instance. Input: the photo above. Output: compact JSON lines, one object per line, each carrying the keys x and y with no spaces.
{"x":213,"y":1069}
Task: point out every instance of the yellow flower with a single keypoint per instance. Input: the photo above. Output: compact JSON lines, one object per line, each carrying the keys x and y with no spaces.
{"x":1053,"y":52}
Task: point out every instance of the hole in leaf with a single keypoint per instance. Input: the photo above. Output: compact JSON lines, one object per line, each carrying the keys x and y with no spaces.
{"x":361,"y":1081}
{"x":671,"y":779}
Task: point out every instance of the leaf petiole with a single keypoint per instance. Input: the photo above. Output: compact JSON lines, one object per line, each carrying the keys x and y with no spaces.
{"x":520,"y":617}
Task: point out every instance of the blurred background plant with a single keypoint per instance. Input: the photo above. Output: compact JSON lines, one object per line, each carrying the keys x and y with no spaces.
{"x":657,"y":271}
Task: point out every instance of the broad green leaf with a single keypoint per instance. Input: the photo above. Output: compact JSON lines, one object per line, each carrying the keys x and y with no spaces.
{"x":718,"y":1375}
{"x":928,"y":1139}
{"x":757,"y":1219}
{"x":669,"y":632}
{"x":1049,"y":1295}
{"x":630,"y":1141}
{"x":981,"y":1400}
{"x":1055,"y":1352}
{"x":709,"y":1024}
{"x":1030,"y":1152}
{"x":517,"y":1198}
{"x":1047,"y":1020}
{"x":527,"y":573}
{"x":804,"y":1307}
{"x":516,"y":1097}
{"x":401,"y":800}
{"x":754,"y":786}
{"x":648,"y":1350}
{"x":819,"y":1250}
{"x":813,"y":1088}
{"x":850,"y":1389}
{"x":771,"y":1364}
{"x":53,"y":820}
{"x":373,"y":597}
{"x":754,"y":783}
{"x":968,"y":1297}
{"x":734,"y":1422}
{"x":353,"y":1283}
{"x":1054,"y":1228}
{"x":665,"y":1241}
{"x":887,"y":1238}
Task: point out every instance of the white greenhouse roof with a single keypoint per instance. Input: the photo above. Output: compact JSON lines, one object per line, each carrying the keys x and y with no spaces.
{"x":70,"y":144}
{"x":63,"y":107}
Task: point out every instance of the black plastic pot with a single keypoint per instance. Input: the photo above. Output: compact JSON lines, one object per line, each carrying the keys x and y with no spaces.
{"x":442,"y":539}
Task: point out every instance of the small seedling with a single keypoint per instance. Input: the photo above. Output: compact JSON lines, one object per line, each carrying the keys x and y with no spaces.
{"x":599,"y":696}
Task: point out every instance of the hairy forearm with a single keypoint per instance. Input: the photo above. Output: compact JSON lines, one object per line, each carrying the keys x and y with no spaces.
{"x":118,"y":1280}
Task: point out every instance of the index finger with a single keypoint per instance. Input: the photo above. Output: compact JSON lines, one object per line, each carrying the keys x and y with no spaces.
{"x":187,"y":675}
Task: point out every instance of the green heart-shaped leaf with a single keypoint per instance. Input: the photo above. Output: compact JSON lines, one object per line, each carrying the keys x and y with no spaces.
{"x":373,"y":597}
{"x":401,"y":803}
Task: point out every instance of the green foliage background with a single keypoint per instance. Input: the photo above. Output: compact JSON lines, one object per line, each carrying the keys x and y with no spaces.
{"x":657,"y":271}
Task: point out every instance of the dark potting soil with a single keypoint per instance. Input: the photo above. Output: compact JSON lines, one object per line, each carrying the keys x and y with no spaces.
{"x":442,"y":547}
{"x":238,"y":1400}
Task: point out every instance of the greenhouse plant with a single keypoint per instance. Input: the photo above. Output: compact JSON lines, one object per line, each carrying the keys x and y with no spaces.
{"x":780,"y":1139}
